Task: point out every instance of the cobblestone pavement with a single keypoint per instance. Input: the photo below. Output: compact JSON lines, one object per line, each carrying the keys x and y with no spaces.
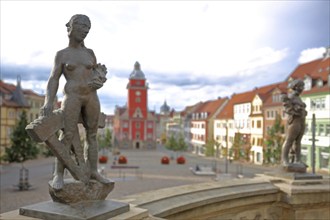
{"x":151,"y":175}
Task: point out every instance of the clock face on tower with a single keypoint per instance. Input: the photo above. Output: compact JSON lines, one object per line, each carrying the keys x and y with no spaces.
{"x":137,"y":93}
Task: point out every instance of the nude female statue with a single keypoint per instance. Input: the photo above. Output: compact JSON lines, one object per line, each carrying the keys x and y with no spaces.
{"x":77,"y":63}
{"x":295,"y":108}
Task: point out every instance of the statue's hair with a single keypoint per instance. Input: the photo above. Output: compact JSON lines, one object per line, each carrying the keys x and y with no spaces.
{"x":78,"y":18}
{"x":295,"y":83}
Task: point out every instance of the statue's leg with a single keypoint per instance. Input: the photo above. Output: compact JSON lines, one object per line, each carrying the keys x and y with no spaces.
{"x":58,"y":181}
{"x":71,"y":111}
{"x":287,"y":145}
{"x":90,"y":116}
{"x":285,"y":151}
{"x":297,"y":147}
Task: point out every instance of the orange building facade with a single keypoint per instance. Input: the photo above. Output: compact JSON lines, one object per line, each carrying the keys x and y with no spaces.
{"x":134,"y":125}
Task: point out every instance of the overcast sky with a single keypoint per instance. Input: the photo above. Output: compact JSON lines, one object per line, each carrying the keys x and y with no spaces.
{"x":189,"y":51}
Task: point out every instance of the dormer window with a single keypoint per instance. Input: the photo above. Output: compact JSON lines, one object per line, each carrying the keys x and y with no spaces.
{"x":276,"y":97}
{"x":319,"y":83}
{"x":308,"y":83}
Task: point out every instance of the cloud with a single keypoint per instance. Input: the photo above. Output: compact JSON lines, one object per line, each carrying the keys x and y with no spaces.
{"x":11,"y":71}
{"x":190,"y":51}
{"x":311,"y":54}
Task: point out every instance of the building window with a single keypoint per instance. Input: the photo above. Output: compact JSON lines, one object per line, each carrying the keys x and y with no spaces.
{"x":125,"y":125}
{"x":258,"y":158}
{"x":149,"y":135}
{"x":321,"y":130}
{"x":319,"y":83}
{"x":150,"y":125}
{"x":137,"y":99}
{"x":137,"y":125}
{"x":327,"y":130}
{"x":318,"y":103}
{"x":137,"y":135}
{"x":11,"y":114}
{"x":276,"y":97}
{"x":258,"y":124}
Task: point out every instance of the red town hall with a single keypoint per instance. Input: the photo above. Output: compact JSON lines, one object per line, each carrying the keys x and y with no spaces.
{"x":134,"y":125}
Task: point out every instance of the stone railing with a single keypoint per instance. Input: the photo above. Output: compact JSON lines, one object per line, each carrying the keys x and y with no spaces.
{"x":263,"y":197}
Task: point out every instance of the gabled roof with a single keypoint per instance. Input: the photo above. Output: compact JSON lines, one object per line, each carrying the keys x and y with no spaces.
{"x":282,"y":87}
{"x":304,"y":69}
{"x":210,"y":107}
{"x":245,"y":97}
{"x":322,"y":70}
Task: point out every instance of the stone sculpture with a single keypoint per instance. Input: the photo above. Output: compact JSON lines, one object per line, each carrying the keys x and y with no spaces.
{"x":80,"y":105}
{"x":295,"y":109}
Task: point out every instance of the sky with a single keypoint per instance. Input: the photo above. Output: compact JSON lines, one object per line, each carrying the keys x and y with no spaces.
{"x":189,"y":51}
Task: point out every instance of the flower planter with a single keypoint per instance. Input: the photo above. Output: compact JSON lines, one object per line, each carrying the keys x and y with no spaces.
{"x":103,"y":159}
{"x":181,"y":160}
{"x":165,"y":160}
{"x":122,"y":160}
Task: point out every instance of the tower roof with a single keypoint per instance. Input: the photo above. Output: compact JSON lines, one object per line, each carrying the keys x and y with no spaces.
{"x":18,"y":95}
{"x":164,"y":108}
{"x":137,"y":73}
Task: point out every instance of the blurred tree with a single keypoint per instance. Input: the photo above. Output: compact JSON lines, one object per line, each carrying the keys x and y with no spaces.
{"x":209,"y":148}
{"x":171,"y":143}
{"x":163,"y":138}
{"x":274,"y":141}
{"x":105,"y":142}
{"x":181,"y":144}
{"x":237,"y":146}
{"x":23,"y":147}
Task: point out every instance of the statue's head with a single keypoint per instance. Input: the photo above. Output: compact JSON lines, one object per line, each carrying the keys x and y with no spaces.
{"x":297,"y":85}
{"x":78,"y":24}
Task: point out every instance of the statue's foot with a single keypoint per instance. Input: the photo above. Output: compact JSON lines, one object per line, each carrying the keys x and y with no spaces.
{"x":98,"y":177}
{"x":58,"y":182}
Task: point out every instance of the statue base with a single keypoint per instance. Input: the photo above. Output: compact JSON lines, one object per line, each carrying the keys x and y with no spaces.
{"x":87,"y":210}
{"x":295,"y":167}
{"x":75,"y":191}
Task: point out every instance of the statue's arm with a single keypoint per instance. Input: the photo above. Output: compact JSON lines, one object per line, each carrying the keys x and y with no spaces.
{"x":52,"y":86}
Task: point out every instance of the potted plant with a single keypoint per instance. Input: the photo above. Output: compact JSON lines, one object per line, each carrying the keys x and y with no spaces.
{"x":165,"y":160}
{"x":181,"y":160}
{"x":103,"y":159}
{"x":122,"y":159}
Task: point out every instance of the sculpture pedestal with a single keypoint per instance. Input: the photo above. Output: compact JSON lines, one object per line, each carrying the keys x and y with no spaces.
{"x":295,"y":167}
{"x":104,"y":209}
{"x":76,"y":200}
{"x":75,"y":191}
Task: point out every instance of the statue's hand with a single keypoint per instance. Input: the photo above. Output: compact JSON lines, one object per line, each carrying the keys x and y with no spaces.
{"x":46,"y":110}
{"x":99,"y":76}
{"x":96,"y":84}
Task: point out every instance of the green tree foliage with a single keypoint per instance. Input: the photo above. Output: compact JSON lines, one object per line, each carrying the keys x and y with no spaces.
{"x":163,"y":138}
{"x":209,"y":148}
{"x":237,"y":146}
{"x":171,"y":143}
{"x":23,"y":147}
{"x":182,"y":146}
{"x":105,"y":142}
{"x":274,"y":142}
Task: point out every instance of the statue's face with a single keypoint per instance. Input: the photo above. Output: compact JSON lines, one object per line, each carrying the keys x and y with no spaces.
{"x":79,"y":31}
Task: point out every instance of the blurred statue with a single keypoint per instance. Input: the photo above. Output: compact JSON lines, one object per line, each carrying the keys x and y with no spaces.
{"x":80,"y":105}
{"x":295,"y":109}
